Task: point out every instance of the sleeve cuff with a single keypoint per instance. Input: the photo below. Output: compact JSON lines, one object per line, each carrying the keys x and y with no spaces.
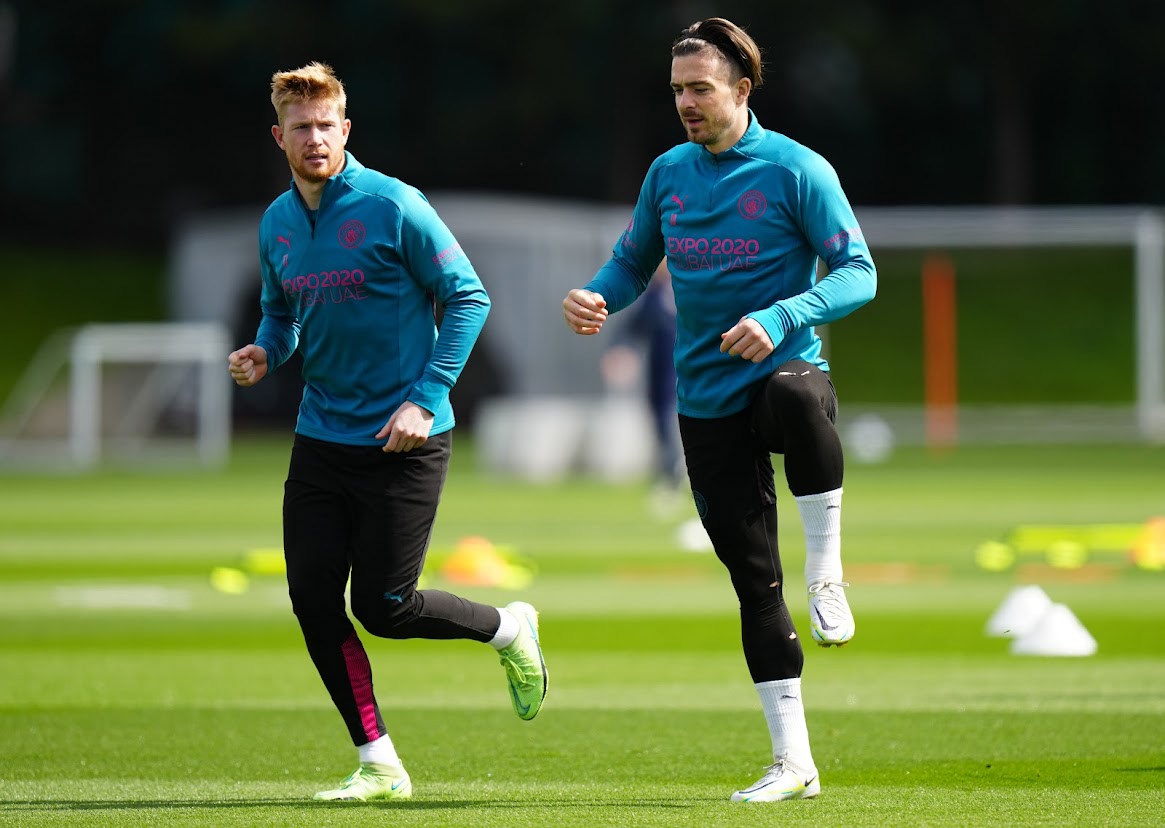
{"x":776,"y":322}
{"x":429,"y":393}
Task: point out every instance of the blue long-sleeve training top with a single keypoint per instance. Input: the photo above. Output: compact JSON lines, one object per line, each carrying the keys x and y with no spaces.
{"x":353,"y":286}
{"x":742,"y":231}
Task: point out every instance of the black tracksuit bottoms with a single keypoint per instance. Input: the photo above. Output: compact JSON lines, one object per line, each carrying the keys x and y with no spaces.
{"x":731,"y":472}
{"x":361,"y":513}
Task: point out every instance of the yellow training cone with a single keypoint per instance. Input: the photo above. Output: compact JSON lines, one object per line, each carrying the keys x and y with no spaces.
{"x":1148,"y":550}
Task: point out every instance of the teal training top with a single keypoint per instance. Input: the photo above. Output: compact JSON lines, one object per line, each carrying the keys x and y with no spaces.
{"x":354,"y":286}
{"x":742,"y":231}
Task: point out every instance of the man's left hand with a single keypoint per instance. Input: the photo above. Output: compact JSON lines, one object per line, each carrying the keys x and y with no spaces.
{"x":747,"y":339}
{"x":407,"y":428}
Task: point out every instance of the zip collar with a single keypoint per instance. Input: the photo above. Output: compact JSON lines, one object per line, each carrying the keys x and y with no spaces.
{"x":345,"y":177}
{"x":753,"y":135}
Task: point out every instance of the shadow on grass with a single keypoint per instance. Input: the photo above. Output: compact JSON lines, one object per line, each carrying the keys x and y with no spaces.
{"x":407,"y":805}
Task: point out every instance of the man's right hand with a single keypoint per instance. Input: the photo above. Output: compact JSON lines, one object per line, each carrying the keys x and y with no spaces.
{"x":584,"y":311}
{"x":248,"y":365}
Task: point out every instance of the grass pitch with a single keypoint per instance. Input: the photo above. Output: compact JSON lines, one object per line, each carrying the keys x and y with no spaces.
{"x":134,"y":693}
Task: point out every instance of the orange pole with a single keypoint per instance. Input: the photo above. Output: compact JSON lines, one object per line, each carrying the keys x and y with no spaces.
{"x":939,"y":351}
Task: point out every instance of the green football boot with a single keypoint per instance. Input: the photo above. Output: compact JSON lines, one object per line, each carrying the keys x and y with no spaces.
{"x":371,"y":781}
{"x":525,"y":667}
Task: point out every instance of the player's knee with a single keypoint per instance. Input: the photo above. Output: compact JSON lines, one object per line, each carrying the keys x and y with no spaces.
{"x":787,"y":407}
{"x":788,"y":396}
{"x":387,"y":615}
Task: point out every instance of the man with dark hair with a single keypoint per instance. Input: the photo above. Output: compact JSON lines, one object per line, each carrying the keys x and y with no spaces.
{"x":352,"y":262}
{"x":743,"y":215}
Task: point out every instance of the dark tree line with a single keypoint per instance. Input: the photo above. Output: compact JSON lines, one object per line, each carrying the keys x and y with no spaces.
{"x":121,"y":115}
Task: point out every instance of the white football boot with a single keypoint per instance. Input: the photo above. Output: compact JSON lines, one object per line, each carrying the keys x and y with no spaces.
{"x":779,"y":783}
{"x":830,"y":619}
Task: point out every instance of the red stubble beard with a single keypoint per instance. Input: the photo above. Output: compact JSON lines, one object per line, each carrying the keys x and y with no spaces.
{"x":314,"y":173}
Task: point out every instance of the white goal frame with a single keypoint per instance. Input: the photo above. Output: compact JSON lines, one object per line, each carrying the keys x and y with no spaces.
{"x":158,"y":349}
{"x":1142,"y":229}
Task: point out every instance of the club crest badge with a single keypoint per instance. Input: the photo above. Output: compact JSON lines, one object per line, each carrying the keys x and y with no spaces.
{"x":351,"y":233}
{"x":752,"y":205}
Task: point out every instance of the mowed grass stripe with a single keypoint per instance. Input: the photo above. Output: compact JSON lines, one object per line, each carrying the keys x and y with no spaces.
{"x":593,"y":767}
{"x":210,"y":713}
{"x":468,"y":678}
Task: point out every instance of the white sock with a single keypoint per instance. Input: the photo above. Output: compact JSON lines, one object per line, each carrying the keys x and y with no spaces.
{"x":507,"y":630}
{"x":379,"y":752}
{"x":821,"y":520}
{"x":785,"y":716}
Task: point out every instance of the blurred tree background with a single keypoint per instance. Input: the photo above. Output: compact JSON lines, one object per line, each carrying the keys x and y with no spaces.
{"x":120,"y":115}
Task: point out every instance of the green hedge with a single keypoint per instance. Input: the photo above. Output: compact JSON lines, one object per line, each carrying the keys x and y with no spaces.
{"x":44,"y":290}
{"x":1033,"y":326}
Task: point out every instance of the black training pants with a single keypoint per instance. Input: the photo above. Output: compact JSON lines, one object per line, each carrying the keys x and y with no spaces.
{"x":358,"y":511}
{"x":731,"y":474}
